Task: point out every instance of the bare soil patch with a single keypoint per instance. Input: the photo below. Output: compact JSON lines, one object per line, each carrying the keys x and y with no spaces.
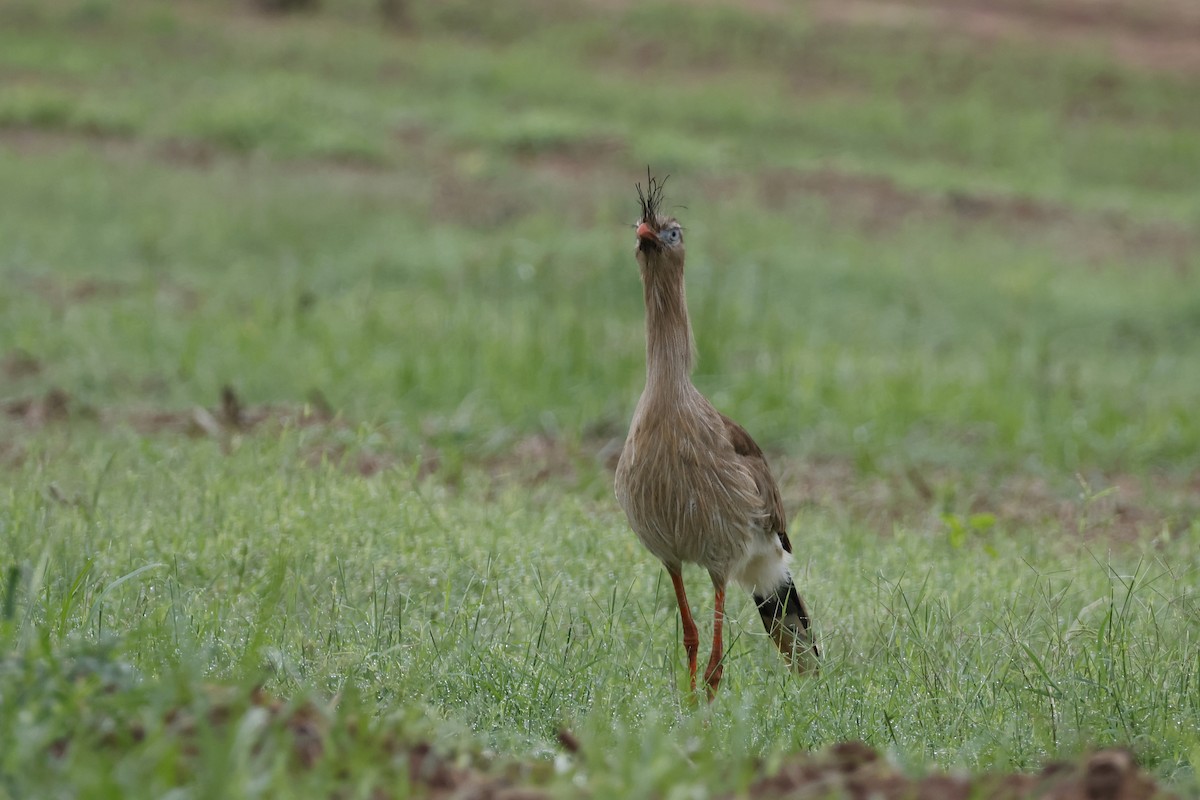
{"x":223,"y":422}
{"x":61,"y":292}
{"x":309,"y":733}
{"x":1111,"y":508}
{"x":1114,"y":508}
{"x":37,"y":411}
{"x":1159,"y":35}
{"x":853,"y":770}
{"x":32,"y":140}
{"x":313,"y":733}
{"x":17,"y":364}
{"x":874,"y":204}
{"x":191,"y":153}
{"x":877,"y":204}
{"x":1162,"y":35}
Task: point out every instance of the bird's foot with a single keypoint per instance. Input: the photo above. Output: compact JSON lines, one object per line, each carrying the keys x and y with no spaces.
{"x":712,"y":679}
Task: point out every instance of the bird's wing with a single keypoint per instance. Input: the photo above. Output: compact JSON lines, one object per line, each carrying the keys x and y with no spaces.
{"x":752,"y":457}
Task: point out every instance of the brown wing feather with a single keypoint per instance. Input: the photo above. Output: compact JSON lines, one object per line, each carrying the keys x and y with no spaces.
{"x":752,"y":456}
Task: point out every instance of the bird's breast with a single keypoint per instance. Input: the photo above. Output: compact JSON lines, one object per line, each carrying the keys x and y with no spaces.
{"x":686,"y":498}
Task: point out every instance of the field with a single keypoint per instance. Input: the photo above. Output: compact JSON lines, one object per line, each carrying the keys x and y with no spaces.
{"x":319,"y":334}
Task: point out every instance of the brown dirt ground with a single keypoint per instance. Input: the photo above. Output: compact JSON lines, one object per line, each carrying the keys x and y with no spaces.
{"x":18,"y":364}
{"x":1113,"y":508}
{"x":876,"y":204}
{"x":849,"y":770}
{"x":224,"y":423}
{"x":309,"y":729}
{"x":873,"y":205}
{"x":853,"y":770}
{"x":1162,"y":35}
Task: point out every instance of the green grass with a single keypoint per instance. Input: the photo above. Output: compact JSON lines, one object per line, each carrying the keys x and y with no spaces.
{"x":181,"y":566}
{"x":908,"y":255}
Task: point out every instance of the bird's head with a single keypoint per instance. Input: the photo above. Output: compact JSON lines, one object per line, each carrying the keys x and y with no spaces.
{"x":659,"y":238}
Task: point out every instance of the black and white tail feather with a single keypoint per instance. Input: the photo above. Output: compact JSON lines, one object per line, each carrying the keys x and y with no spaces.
{"x":786,"y":620}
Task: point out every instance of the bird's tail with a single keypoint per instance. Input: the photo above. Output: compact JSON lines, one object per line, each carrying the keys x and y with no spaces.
{"x":786,"y":620}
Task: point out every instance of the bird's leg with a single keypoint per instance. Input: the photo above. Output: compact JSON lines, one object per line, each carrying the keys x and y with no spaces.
{"x":716,"y":659}
{"x":691,"y":636}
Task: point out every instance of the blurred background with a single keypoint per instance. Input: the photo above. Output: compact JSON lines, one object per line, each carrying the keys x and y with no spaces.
{"x":925,"y":237}
{"x":320,"y":328}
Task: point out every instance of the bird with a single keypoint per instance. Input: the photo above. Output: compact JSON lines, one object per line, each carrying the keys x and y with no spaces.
{"x":694,"y":485}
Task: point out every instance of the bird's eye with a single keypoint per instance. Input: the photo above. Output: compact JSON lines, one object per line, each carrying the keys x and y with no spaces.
{"x":671,"y":235}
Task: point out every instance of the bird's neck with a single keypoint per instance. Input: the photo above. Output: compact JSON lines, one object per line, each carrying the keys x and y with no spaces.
{"x":669,"y":344}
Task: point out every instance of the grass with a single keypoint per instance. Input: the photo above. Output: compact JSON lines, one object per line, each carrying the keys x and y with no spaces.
{"x":909,"y":255}
{"x":177,"y":568}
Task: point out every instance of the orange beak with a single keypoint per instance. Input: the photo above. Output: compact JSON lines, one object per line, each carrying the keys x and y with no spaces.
{"x":644,"y":231}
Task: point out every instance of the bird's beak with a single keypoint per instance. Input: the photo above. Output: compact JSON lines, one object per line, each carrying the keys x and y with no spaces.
{"x":646,"y":234}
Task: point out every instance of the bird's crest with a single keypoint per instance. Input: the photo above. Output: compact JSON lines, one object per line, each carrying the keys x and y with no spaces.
{"x":651,"y":197}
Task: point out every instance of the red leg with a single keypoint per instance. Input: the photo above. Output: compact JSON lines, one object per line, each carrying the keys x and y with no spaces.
{"x":716,"y":659}
{"x":691,"y":636}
